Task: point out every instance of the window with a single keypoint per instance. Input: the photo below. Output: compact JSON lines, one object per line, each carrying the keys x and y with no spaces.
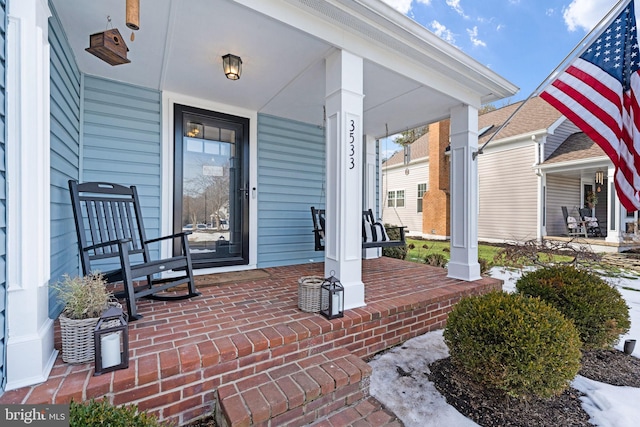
{"x":395,"y":199}
{"x":422,"y":188}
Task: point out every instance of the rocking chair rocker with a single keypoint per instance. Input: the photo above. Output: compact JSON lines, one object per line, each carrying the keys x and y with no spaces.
{"x":109,"y":226}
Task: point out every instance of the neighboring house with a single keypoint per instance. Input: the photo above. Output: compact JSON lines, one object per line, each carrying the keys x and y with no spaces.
{"x":320,"y":82}
{"x":404,"y":181}
{"x":538,"y":163}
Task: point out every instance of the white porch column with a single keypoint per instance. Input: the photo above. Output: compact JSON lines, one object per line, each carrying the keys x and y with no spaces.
{"x":343,"y":241}
{"x":30,"y":352}
{"x":464,"y":194}
{"x":370,"y":188}
{"x":615,"y":222}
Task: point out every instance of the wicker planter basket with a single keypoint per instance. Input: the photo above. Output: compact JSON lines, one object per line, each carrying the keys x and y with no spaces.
{"x":77,"y":337}
{"x":309,"y":293}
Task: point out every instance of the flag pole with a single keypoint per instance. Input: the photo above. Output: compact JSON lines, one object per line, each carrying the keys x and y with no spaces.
{"x":562,"y":65}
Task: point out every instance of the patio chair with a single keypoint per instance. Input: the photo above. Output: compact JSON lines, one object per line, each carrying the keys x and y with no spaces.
{"x":591,"y":222}
{"x":111,"y":235}
{"x":575,"y":226}
{"x":374,"y":234}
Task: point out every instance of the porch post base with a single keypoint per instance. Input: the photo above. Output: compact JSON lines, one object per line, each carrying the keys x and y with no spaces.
{"x":467,"y":272}
{"x":349,"y":273}
{"x":31,"y":358}
{"x":353,"y":295}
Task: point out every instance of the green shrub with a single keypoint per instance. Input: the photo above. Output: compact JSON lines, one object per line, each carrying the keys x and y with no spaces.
{"x":399,"y":252}
{"x":485,"y":265}
{"x":516,"y":345}
{"x":597,"y":309}
{"x":436,"y":260}
{"x":102,"y":413}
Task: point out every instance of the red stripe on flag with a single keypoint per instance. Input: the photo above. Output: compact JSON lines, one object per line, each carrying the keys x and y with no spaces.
{"x":593,"y":81}
{"x":578,"y":121}
{"x":591,"y":106}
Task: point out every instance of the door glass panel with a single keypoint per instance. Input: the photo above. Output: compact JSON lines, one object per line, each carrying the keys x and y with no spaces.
{"x":212,"y":181}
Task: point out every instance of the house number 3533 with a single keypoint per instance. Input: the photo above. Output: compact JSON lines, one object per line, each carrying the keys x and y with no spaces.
{"x":352,"y":146}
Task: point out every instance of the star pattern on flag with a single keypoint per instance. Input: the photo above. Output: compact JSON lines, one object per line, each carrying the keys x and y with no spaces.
{"x":600,"y":93}
{"x":616,"y":50}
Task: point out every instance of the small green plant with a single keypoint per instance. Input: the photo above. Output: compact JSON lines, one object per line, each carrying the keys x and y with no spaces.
{"x":102,"y":413}
{"x":436,"y":260}
{"x":83,"y":297}
{"x":514,"y":344}
{"x":597,"y":309}
{"x":399,"y":252}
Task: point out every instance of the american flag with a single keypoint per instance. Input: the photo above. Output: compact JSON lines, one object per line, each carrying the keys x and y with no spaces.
{"x":598,"y":93}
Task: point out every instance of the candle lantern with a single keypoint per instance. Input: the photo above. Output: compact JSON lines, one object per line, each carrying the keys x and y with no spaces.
{"x":111,"y":341}
{"x":332,"y":298}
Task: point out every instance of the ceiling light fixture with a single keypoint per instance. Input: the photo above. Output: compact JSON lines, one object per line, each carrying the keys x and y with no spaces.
{"x":232,"y":66}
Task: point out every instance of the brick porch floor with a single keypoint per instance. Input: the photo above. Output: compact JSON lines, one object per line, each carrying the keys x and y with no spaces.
{"x":246,"y":347}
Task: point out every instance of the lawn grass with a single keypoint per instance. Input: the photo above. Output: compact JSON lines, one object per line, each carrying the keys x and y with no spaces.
{"x":422,"y":248}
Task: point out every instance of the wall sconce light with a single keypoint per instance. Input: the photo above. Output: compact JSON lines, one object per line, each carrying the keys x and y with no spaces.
{"x":111,"y":342}
{"x":232,"y":66}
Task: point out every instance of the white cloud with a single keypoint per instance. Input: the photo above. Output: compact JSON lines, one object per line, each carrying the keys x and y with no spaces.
{"x":442,"y":31}
{"x":549,"y":12}
{"x":585,"y":14}
{"x":473,"y":36}
{"x":455,"y":5}
{"x":402,"y":6}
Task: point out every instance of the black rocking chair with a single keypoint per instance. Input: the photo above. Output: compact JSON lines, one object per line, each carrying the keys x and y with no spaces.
{"x":109,"y":226}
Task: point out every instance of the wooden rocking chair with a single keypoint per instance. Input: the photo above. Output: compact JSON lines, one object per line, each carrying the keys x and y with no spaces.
{"x":109,"y":227}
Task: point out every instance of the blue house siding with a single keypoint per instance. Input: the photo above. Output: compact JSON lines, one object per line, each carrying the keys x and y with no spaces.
{"x":64,"y":154}
{"x":121,"y":142}
{"x":3,"y":194}
{"x":291,"y":172}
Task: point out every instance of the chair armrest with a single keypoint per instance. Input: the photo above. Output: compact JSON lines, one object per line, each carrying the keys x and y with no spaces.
{"x":400,"y":230}
{"x":109,"y":243}
{"x":171,"y":236}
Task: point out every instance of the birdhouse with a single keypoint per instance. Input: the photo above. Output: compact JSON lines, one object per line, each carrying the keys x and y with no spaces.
{"x":109,"y":46}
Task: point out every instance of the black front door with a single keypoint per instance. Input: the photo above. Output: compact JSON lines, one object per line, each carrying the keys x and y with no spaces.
{"x":211,"y":197}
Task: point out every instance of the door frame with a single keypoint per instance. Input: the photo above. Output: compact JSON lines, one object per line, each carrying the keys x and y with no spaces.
{"x":168,"y":101}
{"x":242,"y":147}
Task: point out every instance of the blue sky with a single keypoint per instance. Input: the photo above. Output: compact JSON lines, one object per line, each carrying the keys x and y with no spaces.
{"x":522,"y":40}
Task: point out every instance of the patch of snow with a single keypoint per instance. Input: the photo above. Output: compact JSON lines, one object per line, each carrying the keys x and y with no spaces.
{"x":400,"y":383}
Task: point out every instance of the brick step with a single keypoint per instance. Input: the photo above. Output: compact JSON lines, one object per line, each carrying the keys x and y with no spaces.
{"x":368,"y":412}
{"x":294,"y":394}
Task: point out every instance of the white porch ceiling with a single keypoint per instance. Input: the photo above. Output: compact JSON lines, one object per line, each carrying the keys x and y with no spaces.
{"x":180,"y":43}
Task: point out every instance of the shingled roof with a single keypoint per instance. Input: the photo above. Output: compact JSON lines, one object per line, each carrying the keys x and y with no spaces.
{"x":536,"y":114}
{"x":577,"y":147}
{"x":419,"y":149}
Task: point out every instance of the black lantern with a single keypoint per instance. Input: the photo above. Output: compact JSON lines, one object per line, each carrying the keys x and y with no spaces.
{"x":111,"y":341}
{"x":232,"y":66}
{"x":332,"y":298}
